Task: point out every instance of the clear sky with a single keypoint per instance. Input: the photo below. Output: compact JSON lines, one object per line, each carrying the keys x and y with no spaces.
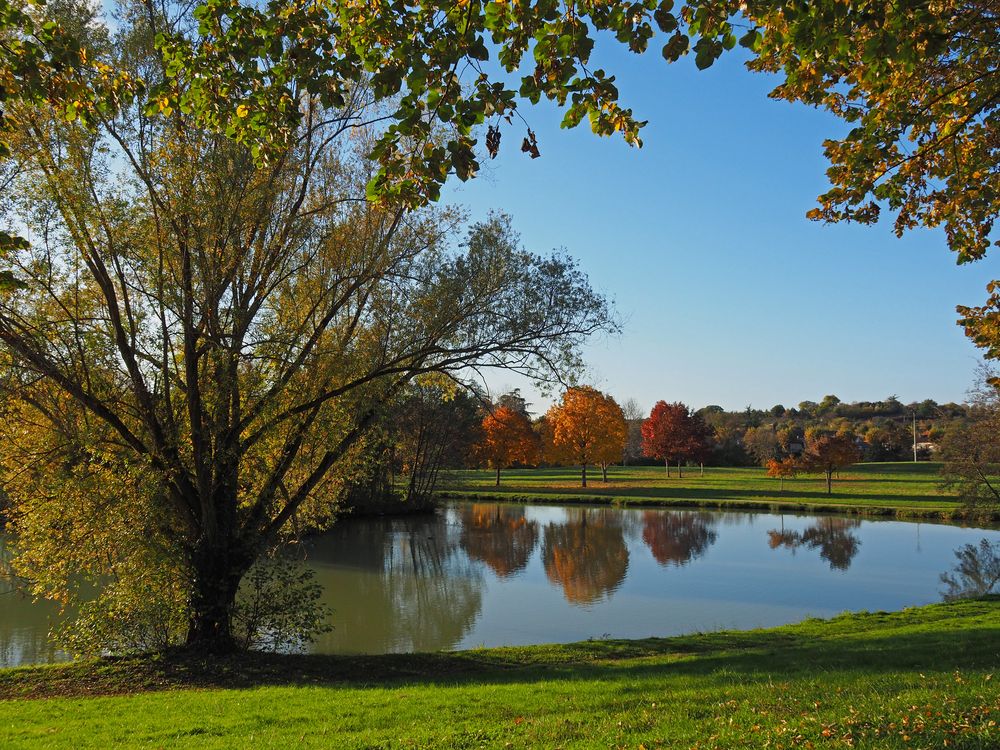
{"x":728,"y":293}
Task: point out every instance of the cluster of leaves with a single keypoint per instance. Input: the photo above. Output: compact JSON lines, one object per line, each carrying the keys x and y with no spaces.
{"x":918,"y":82}
{"x":44,"y":63}
{"x":247,"y":65}
{"x":90,"y":530}
{"x":920,"y":85}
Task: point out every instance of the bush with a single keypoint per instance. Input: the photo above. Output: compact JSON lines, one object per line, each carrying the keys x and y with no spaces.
{"x":279,"y":607}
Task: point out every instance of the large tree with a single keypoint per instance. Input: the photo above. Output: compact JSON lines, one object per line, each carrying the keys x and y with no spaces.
{"x":212,"y":335}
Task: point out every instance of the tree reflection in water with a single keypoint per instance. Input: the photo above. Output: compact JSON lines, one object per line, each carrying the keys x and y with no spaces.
{"x":396,"y":585}
{"x":24,"y":624}
{"x":833,"y":537}
{"x":976,"y":572}
{"x":500,"y":536}
{"x":677,"y":537}
{"x":586,"y":555}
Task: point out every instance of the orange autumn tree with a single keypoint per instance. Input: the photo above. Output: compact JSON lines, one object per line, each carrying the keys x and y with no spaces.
{"x":782,"y":469}
{"x":507,"y":439}
{"x":588,"y":428}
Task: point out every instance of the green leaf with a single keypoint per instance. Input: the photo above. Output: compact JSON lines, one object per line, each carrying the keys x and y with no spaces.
{"x":752,"y":40}
{"x":675,"y":47}
{"x":8,"y":281}
{"x":666,"y":20}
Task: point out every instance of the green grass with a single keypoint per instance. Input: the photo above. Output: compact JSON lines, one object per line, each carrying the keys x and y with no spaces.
{"x":904,"y":490}
{"x":922,"y":678}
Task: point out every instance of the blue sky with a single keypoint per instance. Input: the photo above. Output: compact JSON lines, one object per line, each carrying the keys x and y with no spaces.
{"x":729,"y":294}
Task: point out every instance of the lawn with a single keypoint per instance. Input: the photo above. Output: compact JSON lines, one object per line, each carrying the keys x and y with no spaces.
{"x":923,"y":678}
{"x":896,"y":489}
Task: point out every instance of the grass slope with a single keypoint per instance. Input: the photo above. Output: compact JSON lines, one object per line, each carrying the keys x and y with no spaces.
{"x":905,"y":490}
{"x":921,"y":678}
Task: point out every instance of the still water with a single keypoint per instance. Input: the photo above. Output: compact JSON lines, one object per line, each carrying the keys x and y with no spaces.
{"x":484,"y":574}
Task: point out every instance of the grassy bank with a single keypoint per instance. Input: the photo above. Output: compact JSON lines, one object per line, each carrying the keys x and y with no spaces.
{"x":902,"y":490}
{"x":921,"y":678}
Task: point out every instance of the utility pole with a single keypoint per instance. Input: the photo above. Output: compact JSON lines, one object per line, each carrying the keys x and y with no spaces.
{"x":914,"y":437}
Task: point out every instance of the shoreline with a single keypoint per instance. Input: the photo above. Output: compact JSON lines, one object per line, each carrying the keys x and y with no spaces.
{"x":178,"y":669}
{"x":956,"y":514}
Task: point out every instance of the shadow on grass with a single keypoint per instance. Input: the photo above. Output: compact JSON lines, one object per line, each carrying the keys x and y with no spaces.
{"x":945,"y":637}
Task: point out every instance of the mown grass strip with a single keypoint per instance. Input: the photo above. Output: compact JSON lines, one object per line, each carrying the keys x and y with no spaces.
{"x":925,"y":677}
{"x":887,"y":490}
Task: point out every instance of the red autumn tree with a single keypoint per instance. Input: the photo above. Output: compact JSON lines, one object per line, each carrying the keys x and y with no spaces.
{"x":507,"y":439}
{"x":674,"y":433}
{"x":828,"y":453}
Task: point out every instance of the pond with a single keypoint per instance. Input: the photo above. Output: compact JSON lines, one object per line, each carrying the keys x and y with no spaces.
{"x":486,"y":575}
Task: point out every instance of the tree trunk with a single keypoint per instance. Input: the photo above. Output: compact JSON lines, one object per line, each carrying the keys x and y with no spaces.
{"x":604,"y":472}
{"x":218,"y":570}
{"x":680,"y":471}
{"x":829,"y":483}
{"x":498,"y":476}
{"x":583,"y":476}
{"x":702,"y":468}
{"x":666,"y":464}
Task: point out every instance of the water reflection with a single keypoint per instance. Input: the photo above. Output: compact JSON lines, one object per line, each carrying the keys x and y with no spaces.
{"x":586,"y":555}
{"x":396,"y":585}
{"x":976,"y":572}
{"x":676,"y":538}
{"x":499,"y":535}
{"x":833,"y":537}
{"x":479,"y":574}
{"x":23,"y":632}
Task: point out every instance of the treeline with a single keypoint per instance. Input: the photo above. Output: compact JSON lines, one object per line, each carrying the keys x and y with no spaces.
{"x":435,"y":426}
{"x":883,"y":430}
